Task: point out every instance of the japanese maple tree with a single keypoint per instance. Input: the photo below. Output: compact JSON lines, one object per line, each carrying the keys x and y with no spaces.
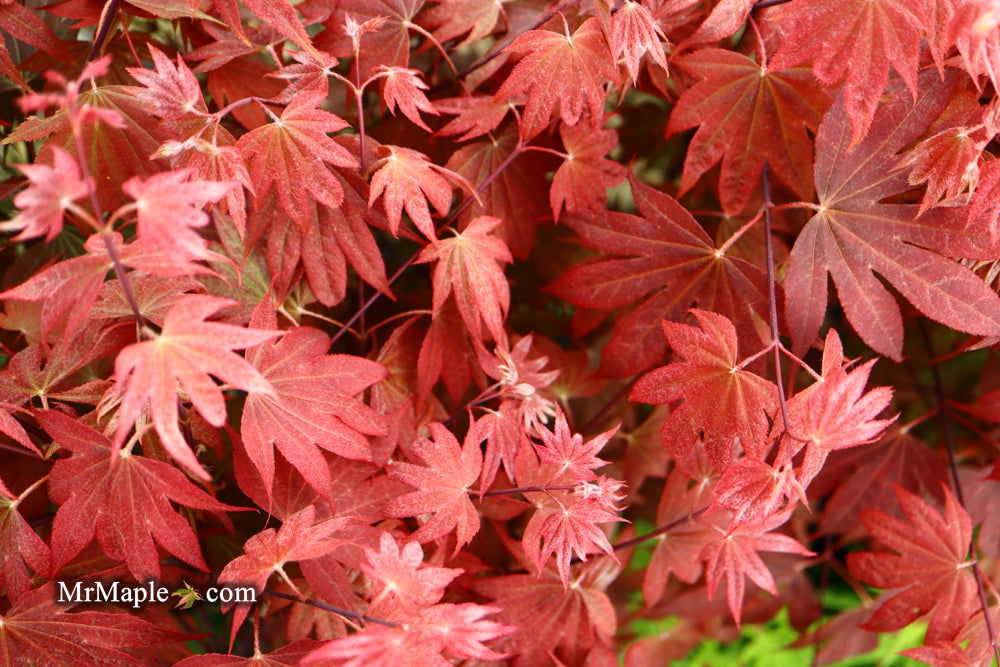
{"x":481,"y":332}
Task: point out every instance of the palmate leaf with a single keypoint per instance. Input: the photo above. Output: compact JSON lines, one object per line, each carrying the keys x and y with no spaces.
{"x":313,"y":404}
{"x":299,"y":538}
{"x":470,"y":265}
{"x":854,"y":235}
{"x":291,"y":154}
{"x":563,"y":75}
{"x":855,"y":40}
{"x":38,"y":631}
{"x":442,"y":485}
{"x":185,"y":352}
{"x":20,"y":547}
{"x":666,"y":261}
{"x":741,"y":109}
{"x":726,"y":404}
{"x":931,"y":566}
{"x":123,"y":499}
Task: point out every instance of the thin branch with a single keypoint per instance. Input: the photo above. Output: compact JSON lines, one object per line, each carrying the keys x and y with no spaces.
{"x":945,"y":420}
{"x":525,"y":489}
{"x":346,"y":613}
{"x":106,"y":236}
{"x":772,"y":305}
{"x":611,"y":402}
{"x":662,"y":530}
{"x":107,"y":19}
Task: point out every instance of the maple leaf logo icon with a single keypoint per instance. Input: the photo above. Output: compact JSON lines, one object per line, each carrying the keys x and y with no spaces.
{"x":187,"y":595}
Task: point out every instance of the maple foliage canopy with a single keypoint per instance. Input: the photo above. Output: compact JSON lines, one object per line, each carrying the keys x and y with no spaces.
{"x":477,"y":332}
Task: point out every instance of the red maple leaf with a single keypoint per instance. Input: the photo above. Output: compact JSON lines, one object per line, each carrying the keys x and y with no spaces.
{"x":565,"y":524}
{"x":39,"y":631}
{"x":728,"y":404}
{"x":290,"y":154}
{"x":470,"y":265}
{"x":299,"y":538}
{"x":443,"y":484}
{"x":475,"y":115}
{"x":404,"y":88}
{"x":172,"y":92}
{"x":406,"y":178}
{"x":185,"y":352}
{"x":20,"y":547}
{"x":568,"y":452}
{"x":561,"y":70}
{"x":314,"y":404}
{"x":739,"y":107}
{"x":836,"y":413}
{"x":634,"y":33}
{"x":853,"y":236}
{"x":733,"y":555}
{"x":582,"y":180}
{"x":168,"y":207}
{"x":51,"y":190}
{"x":948,"y":162}
{"x":453,"y":18}
{"x":931,"y":565}
{"x":665,"y":260}
{"x":860,"y":41}
{"x":124,"y":499}
{"x":402,"y":576}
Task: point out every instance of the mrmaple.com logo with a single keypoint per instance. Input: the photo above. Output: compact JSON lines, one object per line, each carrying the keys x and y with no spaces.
{"x":118,"y":593}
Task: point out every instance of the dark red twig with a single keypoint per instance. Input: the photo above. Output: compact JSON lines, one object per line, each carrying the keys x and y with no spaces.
{"x":944,"y":420}
{"x":346,"y":613}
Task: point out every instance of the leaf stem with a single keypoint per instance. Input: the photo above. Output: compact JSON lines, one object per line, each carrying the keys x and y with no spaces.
{"x":525,"y":489}
{"x":346,"y":613}
{"x":772,"y":304}
{"x":106,"y":235}
{"x":659,"y":531}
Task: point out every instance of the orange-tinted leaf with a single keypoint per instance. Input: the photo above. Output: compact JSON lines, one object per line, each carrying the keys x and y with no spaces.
{"x":443,"y":485}
{"x":854,"y":235}
{"x":582,"y":180}
{"x":123,"y":499}
{"x":471,"y":264}
{"x":740,"y":108}
{"x":734,"y":556}
{"x":634,"y":33}
{"x":290,"y":154}
{"x":931,"y":565}
{"x":563,"y":76}
{"x":406,"y":178}
{"x":404,"y":88}
{"x":313,"y":405}
{"x":187,"y":350}
{"x":299,"y":538}
{"x":728,"y":405}
{"x":665,"y":260}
